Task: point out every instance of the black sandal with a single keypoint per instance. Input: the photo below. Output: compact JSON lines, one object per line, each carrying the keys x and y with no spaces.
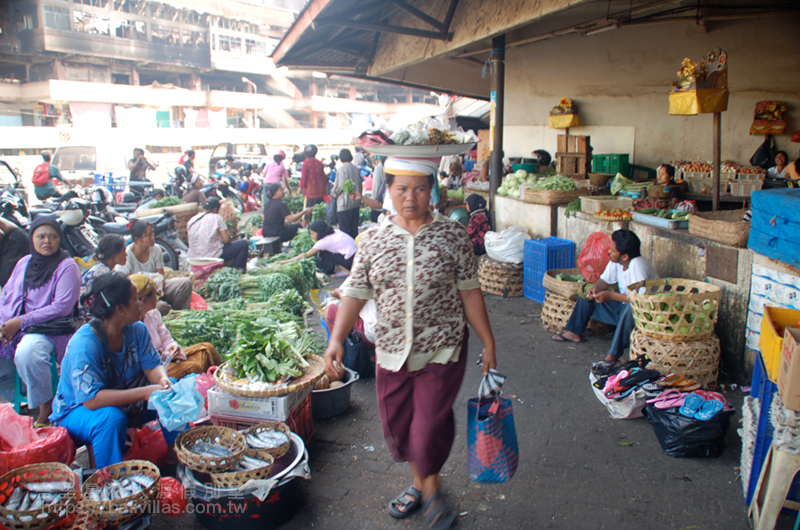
{"x":409,"y":505}
{"x":438,"y":514}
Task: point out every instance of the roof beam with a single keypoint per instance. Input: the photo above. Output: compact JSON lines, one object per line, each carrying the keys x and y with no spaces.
{"x":419,"y":14}
{"x":390,"y":29}
{"x":363,"y":11}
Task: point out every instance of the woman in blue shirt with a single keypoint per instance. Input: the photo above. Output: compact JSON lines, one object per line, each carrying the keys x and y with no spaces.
{"x":108,"y":372}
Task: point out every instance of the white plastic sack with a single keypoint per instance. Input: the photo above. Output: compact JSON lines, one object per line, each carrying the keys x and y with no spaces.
{"x":627,"y":408}
{"x":507,"y":246}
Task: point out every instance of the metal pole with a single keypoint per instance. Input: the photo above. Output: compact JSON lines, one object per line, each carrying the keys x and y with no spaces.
{"x":497,"y":59}
{"x":717,"y":160}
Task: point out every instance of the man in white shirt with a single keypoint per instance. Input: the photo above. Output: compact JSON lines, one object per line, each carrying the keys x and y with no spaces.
{"x":626,"y":267}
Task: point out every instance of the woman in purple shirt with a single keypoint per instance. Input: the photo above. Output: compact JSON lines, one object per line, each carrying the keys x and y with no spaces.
{"x":39,"y":313}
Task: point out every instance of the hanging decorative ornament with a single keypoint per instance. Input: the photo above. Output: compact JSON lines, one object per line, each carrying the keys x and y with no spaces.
{"x":701,"y":88}
{"x":564,"y":115}
{"x":769,"y":118}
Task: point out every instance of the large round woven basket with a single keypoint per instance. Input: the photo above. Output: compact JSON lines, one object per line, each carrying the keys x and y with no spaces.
{"x":230,"y":439}
{"x":697,"y":360}
{"x":121,"y":511}
{"x":674,"y":308}
{"x":724,"y":227}
{"x":234,"y":479}
{"x":501,"y":279}
{"x":565,"y":289}
{"x":239,"y":387}
{"x":557,"y":310}
{"x":48,"y":514}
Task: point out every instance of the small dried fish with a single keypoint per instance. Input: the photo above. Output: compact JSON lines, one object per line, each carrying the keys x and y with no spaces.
{"x":209,"y":450}
{"x":48,"y":487}
{"x":26,"y":502}
{"x":15,"y":500}
{"x":267,"y":440}
{"x":36,"y":501}
{"x":143,"y":480}
{"x":252,"y":463}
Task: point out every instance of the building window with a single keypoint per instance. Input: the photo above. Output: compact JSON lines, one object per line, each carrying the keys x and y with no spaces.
{"x":93,"y":3}
{"x":26,"y":20}
{"x":91,"y":23}
{"x":224,"y":43}
{"x":166,"y":35}
{"x":130,"y":29}
{"x":56,"y":17}
{"x":236,"y":45}
{"x":254,"y":47}
{"x":193,"y":39}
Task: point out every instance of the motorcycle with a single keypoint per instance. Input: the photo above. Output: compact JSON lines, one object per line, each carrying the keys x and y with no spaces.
{"x":165,"y":228}
{"x":14,"y":208}
{"x":223,"y":187}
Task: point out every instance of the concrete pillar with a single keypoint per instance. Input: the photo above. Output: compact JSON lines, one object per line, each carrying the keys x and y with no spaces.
{"x":497,"y":59}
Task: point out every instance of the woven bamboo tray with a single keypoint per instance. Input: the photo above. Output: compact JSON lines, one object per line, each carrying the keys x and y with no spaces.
{"x":234,"y":479}
{"x":501,"y":279}
{"x":552,"y":197}
{"x":239,"y":387}
{"x":724,"y":227}
{"x":273,"y":426}
{"x":675,"y":309}
{"x":556,"y":312}
{"x":697,"y":360}
{"x":568,"y":290}
{"x":231,"y":439}
{"x":121,"y":511}
{"x":49,"y":514}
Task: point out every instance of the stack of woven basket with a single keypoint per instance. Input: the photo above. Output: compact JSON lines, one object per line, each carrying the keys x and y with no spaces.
{"x":502,"y":279}
{"x":559,"y":301}
{"x":675,"y":321}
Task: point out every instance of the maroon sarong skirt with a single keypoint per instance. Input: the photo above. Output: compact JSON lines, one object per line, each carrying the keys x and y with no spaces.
{"x":417,"y":411}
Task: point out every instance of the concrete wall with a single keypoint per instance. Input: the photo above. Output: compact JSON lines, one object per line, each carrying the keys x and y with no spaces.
{"x":622,"y":78}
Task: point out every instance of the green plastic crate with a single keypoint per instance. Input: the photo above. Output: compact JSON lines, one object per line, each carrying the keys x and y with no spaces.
{"x":611,"y":164}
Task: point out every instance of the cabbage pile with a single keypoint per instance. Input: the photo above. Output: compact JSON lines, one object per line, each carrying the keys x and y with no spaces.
{"x":513,"y":181}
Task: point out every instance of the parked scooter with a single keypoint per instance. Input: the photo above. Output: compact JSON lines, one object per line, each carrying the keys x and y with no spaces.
{"x":14,"y":208}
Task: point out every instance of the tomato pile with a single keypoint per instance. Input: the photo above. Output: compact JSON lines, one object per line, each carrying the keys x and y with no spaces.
{"x":614,"y":215}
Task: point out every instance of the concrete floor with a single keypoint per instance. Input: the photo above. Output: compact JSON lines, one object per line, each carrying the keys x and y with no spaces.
{"x":574,"y":470}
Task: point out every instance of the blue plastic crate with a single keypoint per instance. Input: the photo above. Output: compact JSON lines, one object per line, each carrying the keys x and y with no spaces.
{"x":549,"y":253}
{"x":764,"y":389}
{"x":532,"y":286}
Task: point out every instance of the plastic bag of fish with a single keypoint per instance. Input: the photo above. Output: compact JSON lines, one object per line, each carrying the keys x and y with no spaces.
{"x":118,"y":489}
{"x":32,"y":496}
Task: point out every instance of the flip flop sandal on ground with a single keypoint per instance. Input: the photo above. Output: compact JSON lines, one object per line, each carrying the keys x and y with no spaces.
{"x":691,"y":405}
{"x":405,"y":503}
{"x":708,"y":410}
{"x":564,"y":339}
{"x":669,"y":380}
{"x":438,"y":515}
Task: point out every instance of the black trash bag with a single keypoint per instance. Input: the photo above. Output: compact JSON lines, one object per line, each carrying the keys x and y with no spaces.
{"x":683,"y":437}
{"x":358,"y":356}
{"x":331,"y":213}
{"x":764,"y":156}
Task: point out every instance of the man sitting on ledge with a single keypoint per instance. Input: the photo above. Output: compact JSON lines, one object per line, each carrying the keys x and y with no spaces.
{"x":626,"y":267}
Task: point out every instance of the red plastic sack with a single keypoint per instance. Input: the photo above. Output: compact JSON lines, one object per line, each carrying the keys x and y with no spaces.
{"x":197,"y":303}
{"x":147,"y":444}
{"x":17,"y":430}
{"x":202,"y":272}
{"x":594,"y":257}
{"x":205,"y":381}
{"x":54,"y":445}
{"x":173,"y":497}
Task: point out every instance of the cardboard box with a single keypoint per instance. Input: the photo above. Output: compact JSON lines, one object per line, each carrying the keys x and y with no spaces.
{"x":789,"y":375}
{"x":256,"y":408}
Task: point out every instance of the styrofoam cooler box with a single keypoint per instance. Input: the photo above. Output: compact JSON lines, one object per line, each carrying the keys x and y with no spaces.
{"x":257,"y":408}
{"x":768,"y":287}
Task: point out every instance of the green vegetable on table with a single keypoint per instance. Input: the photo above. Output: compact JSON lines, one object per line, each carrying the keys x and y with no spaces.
{"x":169,"y":200}
{"x":269,"y":353}
{"x":573,"y":208}
{"x":261,"y":288}
{"x":554,"y":183}
{"x":222,"y":285}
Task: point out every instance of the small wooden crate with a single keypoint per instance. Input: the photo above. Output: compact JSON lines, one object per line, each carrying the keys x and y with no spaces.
{"x":574,"y":144}
{"x":557,"y":310}
{"x":501,"y":279}
{"x":697,"y":360}
{"x":574,"y":165}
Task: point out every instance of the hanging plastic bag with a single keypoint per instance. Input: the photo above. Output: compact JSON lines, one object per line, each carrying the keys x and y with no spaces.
{"x":172,"y":500}
{"x":594,"y":256}
{"x":17,"y":430}
{"x":197,"y":303}
{"x":618,"y":183}
{"x":492,"y":451}
{"x":684,"y":437}
{"x":507,"y":246}
{"x":205,"y":381}
{"x":147,"y":444}
{"x":178,"y":405}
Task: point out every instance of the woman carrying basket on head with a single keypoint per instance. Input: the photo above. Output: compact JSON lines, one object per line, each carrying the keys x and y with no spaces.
{"x":420,"y":268}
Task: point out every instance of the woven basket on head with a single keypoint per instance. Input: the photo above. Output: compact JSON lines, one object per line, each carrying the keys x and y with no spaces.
{"x":697,"y":360}
{"x":48,"y":514}
{"x":501,"y":279}
{"x":556,"y":312}
{"x":230,"y":439}
{"x":121,"y":511}
{"x":234,"y":479}
{"x":674,"y":308}
{"x":238,"y":387}
{"x":566,"y":289}
{"x":724,"y":227}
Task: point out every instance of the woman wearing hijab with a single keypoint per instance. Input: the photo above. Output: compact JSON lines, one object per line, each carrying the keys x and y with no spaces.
{"x":419,"y":267}
{"x":334,"y":249}
{"x":478,"y":223}
{"x":38,"y":312}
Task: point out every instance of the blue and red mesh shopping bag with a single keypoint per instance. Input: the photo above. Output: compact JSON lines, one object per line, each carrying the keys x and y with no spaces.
{"x":492,"y":452}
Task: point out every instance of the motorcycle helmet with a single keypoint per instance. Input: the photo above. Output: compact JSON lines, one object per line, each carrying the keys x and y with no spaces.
{"x":101,"y":195}
{"x":543,"y":156}
{"x":243,"y":187}
{"x":247,"y":169}
{"x":181,"y":173}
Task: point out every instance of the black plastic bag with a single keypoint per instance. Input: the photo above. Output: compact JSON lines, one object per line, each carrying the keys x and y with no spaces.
{"x":765,"y":154}
{"x":358,"y":356}
{"x":331,"y":212}
{"x":683,"y":437}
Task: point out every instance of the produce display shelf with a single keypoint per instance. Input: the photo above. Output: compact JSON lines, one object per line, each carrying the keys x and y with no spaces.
{"x":652,"y":220}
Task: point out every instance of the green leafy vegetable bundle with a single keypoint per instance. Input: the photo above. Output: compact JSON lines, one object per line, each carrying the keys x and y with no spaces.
{"x":318,"y":213}
{"x":251,"y":225}
{"x":222,"y":285}
{"x":363,"y":215}
{"x":348,"y":187}
{"x":554,"y":183}
{"x":261,"y":288}
{"x":573,"y":208}
{"x":268,"y":353}
{"x":295,"y":204}
{"x":169,"y":200}
{"x":289,"y":301}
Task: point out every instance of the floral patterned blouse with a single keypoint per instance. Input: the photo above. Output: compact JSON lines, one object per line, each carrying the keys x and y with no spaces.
{"x":476,"y":230}
{"x":416,"y":281}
